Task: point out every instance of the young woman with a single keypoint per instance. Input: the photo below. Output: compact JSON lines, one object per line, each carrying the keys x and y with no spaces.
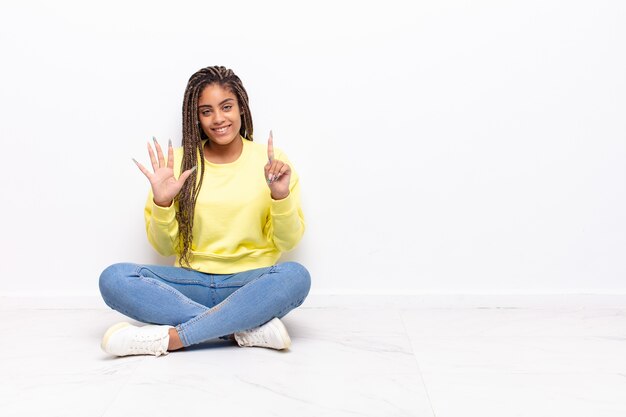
{"x":226,"y":207}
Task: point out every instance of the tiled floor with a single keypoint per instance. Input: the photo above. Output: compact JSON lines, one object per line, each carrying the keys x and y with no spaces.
{"x":378,"y":361}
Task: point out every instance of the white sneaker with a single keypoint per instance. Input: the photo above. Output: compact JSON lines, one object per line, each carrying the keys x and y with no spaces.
{"x":272,"y":334}
{"x":124,"y":339}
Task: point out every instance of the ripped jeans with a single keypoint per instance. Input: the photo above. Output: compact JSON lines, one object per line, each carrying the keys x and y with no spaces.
{"x":204,"y":306}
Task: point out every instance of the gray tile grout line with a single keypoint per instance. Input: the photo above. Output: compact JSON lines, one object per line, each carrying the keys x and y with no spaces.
{"x":419,"y":369}
{"x":117,"y":394}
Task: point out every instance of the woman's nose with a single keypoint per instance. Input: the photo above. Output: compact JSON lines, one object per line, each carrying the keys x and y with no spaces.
{"x":218,"y":117}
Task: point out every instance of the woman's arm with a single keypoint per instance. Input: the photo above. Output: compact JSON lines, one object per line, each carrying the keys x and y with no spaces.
{"x":287,"y":222}
{"x":161,"y":226}
{"x":161,"y":223}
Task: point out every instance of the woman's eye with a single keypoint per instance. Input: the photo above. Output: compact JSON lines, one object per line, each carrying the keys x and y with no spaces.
{"x":227,"y":107}
{"x":205,"y":112}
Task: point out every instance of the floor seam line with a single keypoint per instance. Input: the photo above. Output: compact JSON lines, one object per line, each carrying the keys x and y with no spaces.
{"x":419,"y":369}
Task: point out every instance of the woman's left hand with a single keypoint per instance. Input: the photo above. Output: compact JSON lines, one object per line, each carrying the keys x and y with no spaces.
{"x":277,"y":173}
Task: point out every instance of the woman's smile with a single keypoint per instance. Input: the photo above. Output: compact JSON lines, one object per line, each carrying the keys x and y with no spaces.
{"x":220,"y":130}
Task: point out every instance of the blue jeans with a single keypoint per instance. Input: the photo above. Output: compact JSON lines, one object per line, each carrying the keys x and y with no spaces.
{"x":204,"y":306}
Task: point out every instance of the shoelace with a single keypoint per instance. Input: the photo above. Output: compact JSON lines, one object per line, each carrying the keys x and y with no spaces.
{"x":254,"y":337}
{"x":145,"y":344}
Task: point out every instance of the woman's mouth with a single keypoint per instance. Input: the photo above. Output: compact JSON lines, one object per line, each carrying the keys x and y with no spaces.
{"x":220,"y":130}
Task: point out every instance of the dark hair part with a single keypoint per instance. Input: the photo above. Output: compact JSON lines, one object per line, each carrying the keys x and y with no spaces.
{"x":192,"y":144}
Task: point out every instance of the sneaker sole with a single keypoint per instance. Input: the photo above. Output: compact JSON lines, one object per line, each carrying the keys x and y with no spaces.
{"x":281,"y":331}
{"x":109,"y":333}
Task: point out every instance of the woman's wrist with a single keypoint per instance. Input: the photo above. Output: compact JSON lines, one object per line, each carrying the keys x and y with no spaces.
{"x":162,"y":204}
{"x":280,"y":197}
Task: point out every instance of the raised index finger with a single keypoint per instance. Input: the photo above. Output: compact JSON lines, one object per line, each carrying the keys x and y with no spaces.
{"x":270,"y":147}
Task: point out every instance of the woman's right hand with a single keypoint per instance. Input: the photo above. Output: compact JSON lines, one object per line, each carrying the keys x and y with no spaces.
{"x":164,"y":186}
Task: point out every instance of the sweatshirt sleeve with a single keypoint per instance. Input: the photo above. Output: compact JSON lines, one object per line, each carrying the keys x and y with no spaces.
{"x":161,"y":223}
{"x":287,"y":219}
{"x":161,"y":226}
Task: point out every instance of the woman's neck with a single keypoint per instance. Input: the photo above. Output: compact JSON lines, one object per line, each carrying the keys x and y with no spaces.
{"x":223,"y":154}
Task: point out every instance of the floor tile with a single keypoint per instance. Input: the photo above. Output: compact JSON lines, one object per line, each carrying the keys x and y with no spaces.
{"x":526,"y":395}
{"x":342,"y":362}
{"x":54,"y":365}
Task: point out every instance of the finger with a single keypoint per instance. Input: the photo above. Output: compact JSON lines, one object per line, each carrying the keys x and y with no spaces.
{"x":159,"y":153}
{"x":270,"y":147}
{"x":269,"y":171}
{"x":284,"y":170}
{"x":153,"y":160}
{"x":266,"y":168}
{"x":170,"y":155}
{"x":183,"y":177}
{"x":142,"y":169}
{"x":274,"y":169}
{"x":269,"y":175}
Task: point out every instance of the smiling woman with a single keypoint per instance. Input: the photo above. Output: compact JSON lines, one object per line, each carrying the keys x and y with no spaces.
{"x":227,"y":223}
{"x":220,"y":117}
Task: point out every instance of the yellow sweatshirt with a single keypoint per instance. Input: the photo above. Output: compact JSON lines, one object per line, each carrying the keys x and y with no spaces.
{"x":237,"y":225}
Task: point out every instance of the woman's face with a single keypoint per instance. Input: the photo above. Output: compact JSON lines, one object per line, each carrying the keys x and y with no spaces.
{"x":219,"y":114}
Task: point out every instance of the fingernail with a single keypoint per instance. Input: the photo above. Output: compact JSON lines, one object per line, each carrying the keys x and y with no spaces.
{"x":194,"y":168}
{"x":271,"y":135}
{"x":169,"y":142}
{"x":154,"y":139}
{"x":134,"y":160}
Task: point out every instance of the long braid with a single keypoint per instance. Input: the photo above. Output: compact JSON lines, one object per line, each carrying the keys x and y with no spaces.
{"x":192,"y":144}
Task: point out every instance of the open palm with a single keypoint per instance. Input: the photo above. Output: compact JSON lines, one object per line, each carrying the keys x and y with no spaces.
{"x":164,"y":185}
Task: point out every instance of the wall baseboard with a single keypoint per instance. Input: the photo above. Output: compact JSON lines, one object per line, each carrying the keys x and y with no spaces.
{"x":363,"y":299}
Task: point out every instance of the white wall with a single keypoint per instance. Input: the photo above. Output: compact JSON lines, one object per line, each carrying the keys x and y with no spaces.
{"x":444,"y":146}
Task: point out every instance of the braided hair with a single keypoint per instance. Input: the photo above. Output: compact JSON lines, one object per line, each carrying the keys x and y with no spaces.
{"x":193,"y":135}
